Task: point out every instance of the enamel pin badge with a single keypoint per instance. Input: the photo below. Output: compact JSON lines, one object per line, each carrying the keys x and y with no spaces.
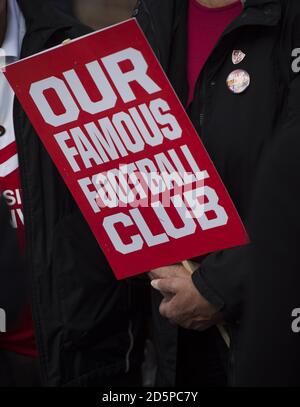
{"x":238,"y":81}
{"x":238,"y":56}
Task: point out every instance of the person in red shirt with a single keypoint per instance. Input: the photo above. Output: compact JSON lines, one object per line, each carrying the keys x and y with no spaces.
{"x":206,"y":22}
{"x":19,"y":340}
{"x":15,"y":332}
{"x":12,"y":276}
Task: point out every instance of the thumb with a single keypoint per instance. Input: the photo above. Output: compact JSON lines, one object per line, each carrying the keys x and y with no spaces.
{"x":166,"y":285}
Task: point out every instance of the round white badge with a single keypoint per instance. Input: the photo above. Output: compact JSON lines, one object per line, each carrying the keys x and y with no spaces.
{"x":238,"y":81}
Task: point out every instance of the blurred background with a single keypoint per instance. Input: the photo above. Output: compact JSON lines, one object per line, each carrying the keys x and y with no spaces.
{"x":97,"y":13}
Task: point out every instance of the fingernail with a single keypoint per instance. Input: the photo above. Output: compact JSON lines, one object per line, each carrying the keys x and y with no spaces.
{"x":154,"y":284}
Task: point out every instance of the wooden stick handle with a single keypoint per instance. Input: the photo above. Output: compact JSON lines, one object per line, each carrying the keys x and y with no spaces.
{"x":191,"y":267}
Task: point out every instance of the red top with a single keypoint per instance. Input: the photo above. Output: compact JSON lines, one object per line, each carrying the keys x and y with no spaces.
{"x":22,"y":339}
{"x":205,"y":27}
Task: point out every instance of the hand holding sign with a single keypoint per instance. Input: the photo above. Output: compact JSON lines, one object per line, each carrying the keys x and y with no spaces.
{"x":125,"y":147}
{"x":184,"y":305}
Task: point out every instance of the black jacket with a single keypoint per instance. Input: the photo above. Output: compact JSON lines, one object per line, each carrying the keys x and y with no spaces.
{"x":13,"y":280}
{"x":87,"y":324}
{"x":236,"y":130}
{"x":269,"y":353}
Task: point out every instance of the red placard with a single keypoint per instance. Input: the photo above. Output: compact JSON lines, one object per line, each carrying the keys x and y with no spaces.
{"x":121,"y":140}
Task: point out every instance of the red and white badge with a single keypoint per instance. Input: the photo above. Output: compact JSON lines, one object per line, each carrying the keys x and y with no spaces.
{"x":238,"y":56}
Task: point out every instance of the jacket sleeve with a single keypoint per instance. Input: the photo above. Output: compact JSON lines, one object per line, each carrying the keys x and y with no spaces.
{"x":13,"y":290}
{"x":221,"y":280}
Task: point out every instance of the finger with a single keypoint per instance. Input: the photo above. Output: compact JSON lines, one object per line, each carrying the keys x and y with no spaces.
{"x":166,"y":311}
{"x":167,"y":296}
{"x":151,"y":275}
{"x":167,"y":285}
{"x":169,"y":309}
{"x":163,"y":272}
{"x":66,"y":41}
{"x":176,"y":270}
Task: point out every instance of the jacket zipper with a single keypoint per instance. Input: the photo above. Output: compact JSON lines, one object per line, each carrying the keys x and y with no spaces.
{"x":28,"y":233}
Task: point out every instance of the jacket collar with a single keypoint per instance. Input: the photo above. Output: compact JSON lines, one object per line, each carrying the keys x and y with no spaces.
{"x":42,"y":22}
{"x":42,"y":15}
{"x":253,"y":3}
{"x":261,"y":12}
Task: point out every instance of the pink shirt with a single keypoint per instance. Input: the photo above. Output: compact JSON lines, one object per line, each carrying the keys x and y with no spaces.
{"x":205,"y":27}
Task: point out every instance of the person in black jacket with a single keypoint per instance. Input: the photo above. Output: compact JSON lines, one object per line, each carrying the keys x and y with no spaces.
{"x":66,"y":6}
{"x":12,"y":276}
{"x":238,"y":120}
{"x":87,"y":326}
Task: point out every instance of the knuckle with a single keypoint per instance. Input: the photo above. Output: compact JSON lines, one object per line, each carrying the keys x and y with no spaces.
{"x":162,"y":310}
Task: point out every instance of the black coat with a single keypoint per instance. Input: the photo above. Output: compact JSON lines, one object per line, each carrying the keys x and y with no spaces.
{"x":13,"y":279}
{"x":269,"y":354}
{"x":88,"y":325}
{"x":237,"y":130}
